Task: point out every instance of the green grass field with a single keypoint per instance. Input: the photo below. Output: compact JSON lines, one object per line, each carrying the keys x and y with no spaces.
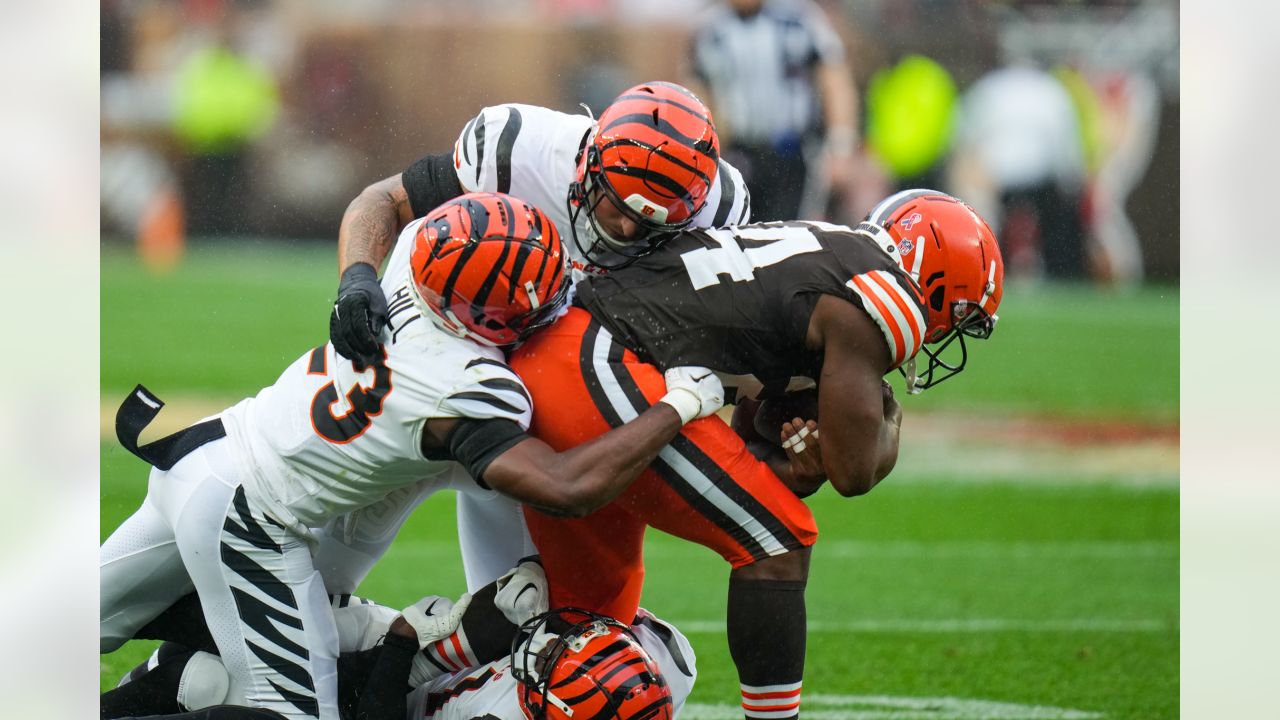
{"x":939,"y":595}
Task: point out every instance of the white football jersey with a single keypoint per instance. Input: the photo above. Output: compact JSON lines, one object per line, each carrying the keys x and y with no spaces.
{"x":531,"y":153}
{"x":490,"y":691}
{"x":327,"y":438}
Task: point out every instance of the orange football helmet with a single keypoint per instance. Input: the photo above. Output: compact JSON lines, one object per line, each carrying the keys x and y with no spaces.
{"x":951,"y":253}
{"x":488,"y":267}
{"x":593,"y":669}
{"x":655,"y":155}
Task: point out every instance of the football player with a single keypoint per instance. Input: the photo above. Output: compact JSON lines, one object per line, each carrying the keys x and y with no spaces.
{"x":649,"y":166}
{"x":777,"y":305}
{"x":232,"y":500}
{"x":620,"y":185}
{"x":563,"y":663}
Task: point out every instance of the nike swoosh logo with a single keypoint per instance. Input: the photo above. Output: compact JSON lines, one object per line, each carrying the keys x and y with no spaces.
{"x":427,"y":612}
{"x":523,"y":590}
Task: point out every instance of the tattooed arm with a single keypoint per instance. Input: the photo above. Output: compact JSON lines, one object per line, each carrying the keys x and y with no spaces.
{"x":372,"y":222}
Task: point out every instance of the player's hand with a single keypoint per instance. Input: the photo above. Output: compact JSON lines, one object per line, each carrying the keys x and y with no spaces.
{"x":434,"y":618}
{"x":359,"y":314}
{"x":694,"y":392}
{"x":800,"y":440}
{"x":522,"y":592}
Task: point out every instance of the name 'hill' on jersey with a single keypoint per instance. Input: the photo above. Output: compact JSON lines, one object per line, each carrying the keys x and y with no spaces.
{"x":738,"y":300}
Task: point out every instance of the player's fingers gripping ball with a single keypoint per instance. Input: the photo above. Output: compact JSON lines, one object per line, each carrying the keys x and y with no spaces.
{"x":774,"y":412}
{"x":799,"y":436}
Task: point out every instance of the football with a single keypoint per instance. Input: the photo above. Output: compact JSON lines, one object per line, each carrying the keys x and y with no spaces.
{"x":773,"y":412}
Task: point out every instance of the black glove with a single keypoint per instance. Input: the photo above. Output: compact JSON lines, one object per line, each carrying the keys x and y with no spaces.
{"x":359,"y":314}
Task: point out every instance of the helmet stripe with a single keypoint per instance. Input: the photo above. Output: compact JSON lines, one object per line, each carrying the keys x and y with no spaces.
{"x":517,"y":268}
{"x":479,"y":219}
{"x":889,"y":205}
{"x":657,"y":150}
{"x":481,"y":298}
{"x":655,"y":180}
{"x":662,"y":101}
{"x":616,"y":646}
{"x":446,"y":293}
{"x":664,"y":128}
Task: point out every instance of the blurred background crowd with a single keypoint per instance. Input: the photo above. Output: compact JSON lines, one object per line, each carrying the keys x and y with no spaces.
{"x":264,"y":118}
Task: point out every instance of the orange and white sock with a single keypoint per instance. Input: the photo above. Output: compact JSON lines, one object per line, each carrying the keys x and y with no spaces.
{"x":771,"y":702}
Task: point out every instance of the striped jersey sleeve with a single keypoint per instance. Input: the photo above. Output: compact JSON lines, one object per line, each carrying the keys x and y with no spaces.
{"x":728,"y":203}
{"x":482,"y":153}
{"x":896,"y":310}
{"x":488,"y":390}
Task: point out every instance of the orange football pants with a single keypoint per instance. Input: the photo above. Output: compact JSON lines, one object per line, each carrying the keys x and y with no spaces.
{"x":705,"y":486}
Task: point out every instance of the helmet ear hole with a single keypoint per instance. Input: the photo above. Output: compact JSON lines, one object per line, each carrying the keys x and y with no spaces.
{"x":937,"y":297}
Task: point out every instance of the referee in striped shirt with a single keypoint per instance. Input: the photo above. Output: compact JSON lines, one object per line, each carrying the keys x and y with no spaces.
{"x":775,"y":74}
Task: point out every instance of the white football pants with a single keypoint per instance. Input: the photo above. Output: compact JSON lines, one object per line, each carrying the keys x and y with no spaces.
{"x":263,"y":598}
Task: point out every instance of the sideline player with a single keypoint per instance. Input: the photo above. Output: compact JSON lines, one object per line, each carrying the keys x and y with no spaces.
{"x":780,"y":302}
{"x":232,"y":499}
{"x":377,"y":679}
{"x":650,"y":165}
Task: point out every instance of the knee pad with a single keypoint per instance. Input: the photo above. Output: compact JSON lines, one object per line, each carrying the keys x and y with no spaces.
{"x":204,"y":682}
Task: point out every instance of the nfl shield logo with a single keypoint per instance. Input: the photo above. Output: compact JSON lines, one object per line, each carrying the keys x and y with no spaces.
{"x":905,"y":247}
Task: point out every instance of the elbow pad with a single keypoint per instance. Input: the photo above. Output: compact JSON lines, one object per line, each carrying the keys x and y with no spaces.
{"x":477,"y":443}
{"x":430,"y":182}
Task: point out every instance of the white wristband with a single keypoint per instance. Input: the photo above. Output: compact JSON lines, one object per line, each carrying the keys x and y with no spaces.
{"x":686,"y":403}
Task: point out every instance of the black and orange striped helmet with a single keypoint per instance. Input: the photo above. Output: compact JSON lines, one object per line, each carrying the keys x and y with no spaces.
{"x":489,"y":268}
{"x":654,"y":154}
{"x":951,"y":252}
{"x":573,"y":664}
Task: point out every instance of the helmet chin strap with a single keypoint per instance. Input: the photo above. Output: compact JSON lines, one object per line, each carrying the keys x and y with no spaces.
{"x":560,"y":704}
{"x":909,"y":374}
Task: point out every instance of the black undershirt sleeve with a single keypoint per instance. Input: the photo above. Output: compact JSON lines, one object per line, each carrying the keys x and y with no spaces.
{"x":477,"y":443}
{"x":430,"y":181}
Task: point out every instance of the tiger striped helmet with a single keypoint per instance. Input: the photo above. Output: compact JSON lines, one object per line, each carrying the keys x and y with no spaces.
{"x":594,"y":669}
{"x":488,"y":267}
{"x":952,"y":254}
{"x":654,"y":155}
